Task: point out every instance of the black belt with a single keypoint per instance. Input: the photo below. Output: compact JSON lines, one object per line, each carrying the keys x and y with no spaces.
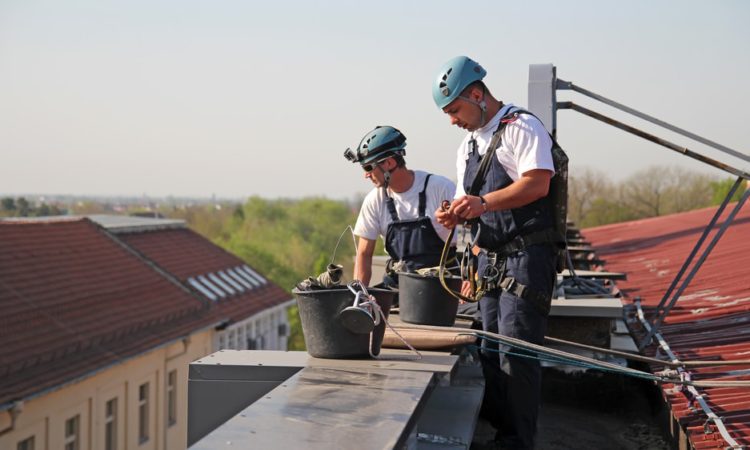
{"x":520,"y":242}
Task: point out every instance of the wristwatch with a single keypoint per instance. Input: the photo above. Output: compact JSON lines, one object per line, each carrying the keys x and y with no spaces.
{"x":484,"y":204}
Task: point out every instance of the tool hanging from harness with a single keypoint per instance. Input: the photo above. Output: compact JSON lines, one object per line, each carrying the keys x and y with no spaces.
{"x":493,"y":276}
{"x":413,"y":242}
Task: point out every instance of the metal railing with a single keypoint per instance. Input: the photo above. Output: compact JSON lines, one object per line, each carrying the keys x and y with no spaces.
{"x":668,"y":300}
{"x":543,"y":87}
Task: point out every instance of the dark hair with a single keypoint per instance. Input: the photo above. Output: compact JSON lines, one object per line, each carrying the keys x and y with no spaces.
{"x":479,"y":84}
{"x":399,"y":160}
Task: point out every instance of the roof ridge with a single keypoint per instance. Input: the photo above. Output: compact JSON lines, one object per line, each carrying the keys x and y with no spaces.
{"x":671,"y":216}
{"x":149,"y":262}
{"x":39,"y":220}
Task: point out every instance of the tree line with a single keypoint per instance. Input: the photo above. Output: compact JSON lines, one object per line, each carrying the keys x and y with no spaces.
{"x":292,"y":239}
{"x":20,"y":207}
{"x":594,"y":199}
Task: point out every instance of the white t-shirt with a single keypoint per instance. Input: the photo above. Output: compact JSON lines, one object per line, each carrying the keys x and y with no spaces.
{"x":374,"y":217}
{"x":525,"y":146}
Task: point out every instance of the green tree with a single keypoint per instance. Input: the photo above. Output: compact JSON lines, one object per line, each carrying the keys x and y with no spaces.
{"x":286,"y":240}
{"x":8,"y":204}
{"x":720,"y":189}
{"x":42,"y":210}
{"x":23,"y":207}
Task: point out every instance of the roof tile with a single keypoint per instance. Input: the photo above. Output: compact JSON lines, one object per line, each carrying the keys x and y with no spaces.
{"x":710,"y":320}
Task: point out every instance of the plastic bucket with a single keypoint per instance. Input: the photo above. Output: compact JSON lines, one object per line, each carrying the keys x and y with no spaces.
{"x":325,"y":336}
{"x":423,"y":300}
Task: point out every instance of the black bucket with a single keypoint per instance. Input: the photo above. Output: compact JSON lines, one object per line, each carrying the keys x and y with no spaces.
{"x":423,"y":299}
{"x":325,"y":335}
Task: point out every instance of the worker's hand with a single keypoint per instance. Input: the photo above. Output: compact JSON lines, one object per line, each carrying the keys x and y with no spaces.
{"x":466,"y":290}
{"x":444,"y":217}
{"x":467,"y":207}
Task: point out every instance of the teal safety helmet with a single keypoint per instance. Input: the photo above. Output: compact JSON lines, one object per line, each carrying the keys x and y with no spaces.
{"x":454,"y":77}
{"x":377,"y":145}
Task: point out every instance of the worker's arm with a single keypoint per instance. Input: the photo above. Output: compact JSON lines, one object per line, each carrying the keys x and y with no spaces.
{"x":363,"y":263}
{"x":532,"y":186}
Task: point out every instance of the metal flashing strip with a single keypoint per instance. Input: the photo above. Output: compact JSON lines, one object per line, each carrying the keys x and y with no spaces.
{"x":697,"y":395}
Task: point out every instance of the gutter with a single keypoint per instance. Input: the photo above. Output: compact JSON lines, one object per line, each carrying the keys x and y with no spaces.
{"x":14,"y":411}
{"x":15,"y":404}
{"x":712,"y":417}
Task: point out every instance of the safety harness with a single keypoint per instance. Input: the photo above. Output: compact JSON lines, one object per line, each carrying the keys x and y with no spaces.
{"x":494,"y":276}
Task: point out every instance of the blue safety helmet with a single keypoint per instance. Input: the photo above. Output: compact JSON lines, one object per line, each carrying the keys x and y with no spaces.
{"x":377,"y":145}
{"x":454,"y":77}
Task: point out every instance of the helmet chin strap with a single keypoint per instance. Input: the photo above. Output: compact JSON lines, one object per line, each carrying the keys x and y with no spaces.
{"x":386,"y":176}
{"x":482,"y":106}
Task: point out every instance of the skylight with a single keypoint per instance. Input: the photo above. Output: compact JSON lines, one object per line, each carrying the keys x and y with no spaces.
{"x":247,"y":276}
{"x":254,"y":274}
{"x":229,"y":280}
{"x":221,"y":283}
{"x":211,"y":286}
{"x":194,"y":283}
{"x":242,"y":280}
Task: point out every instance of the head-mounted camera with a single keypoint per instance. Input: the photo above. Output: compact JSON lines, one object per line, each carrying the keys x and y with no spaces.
{"x":350,"y":155}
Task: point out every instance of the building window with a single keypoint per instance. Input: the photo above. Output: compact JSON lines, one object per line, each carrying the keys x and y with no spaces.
{"x":26,"y":444}
{"x":172,"y":398}
{"x":232,"y":344}
{"x":143,"y":413}
{"x":72,"y":433}
{"x":110,"y":425}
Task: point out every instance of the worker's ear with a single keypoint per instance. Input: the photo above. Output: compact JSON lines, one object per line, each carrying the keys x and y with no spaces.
{"x":476,"y":93}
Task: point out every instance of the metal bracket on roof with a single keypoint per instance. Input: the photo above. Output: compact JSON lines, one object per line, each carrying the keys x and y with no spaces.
{"x":662,"y":311}
{"x":689,"y":391}
{"x":537,"y":91}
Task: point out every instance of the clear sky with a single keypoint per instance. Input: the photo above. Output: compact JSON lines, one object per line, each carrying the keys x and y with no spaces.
{"x":238,"y":97}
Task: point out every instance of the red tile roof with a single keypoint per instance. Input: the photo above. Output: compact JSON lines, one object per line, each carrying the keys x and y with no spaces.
{"x":76,"y":298}
{"x":186,"y":254}
{"x":711,"y":320}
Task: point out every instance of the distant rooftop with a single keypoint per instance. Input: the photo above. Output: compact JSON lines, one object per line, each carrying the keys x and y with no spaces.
{"x":79,"y":294}
{"x":114,"y":223}
{"x":126,"y":224}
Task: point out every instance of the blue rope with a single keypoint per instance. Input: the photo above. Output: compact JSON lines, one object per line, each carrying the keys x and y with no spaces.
{"x":559,"y":359}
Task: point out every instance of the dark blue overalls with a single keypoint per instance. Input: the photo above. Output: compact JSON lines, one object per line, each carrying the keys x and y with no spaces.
{"x":413,"y":241}
{"x":514,"y":382}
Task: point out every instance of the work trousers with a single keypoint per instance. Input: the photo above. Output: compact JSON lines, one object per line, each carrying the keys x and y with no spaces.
{"x":514,"y":376}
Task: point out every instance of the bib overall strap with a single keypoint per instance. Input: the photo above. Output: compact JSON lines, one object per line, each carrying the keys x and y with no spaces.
{"x":423,"y":197}
{"x":391,"y":206}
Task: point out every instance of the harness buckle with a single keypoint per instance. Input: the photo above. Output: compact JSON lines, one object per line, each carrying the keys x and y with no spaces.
{"x":510,"y":284}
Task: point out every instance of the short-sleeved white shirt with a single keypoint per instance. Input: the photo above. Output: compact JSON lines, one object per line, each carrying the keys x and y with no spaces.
{"x":526,"y":145}
{"x":374,"y":217}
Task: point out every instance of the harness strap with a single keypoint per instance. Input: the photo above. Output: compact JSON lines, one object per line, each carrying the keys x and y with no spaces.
{"x":484,"y":165}
{"x":538,"y":299}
